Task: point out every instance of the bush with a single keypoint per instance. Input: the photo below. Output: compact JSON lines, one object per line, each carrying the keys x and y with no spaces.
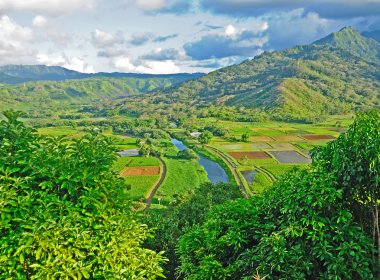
{"x":64,"y":214}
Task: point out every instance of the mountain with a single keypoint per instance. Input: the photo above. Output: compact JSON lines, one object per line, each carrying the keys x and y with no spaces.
{"x":26,"y":73}
{"x":350,"y":40}
{"x":337,"y":74}
{"x":13,"y":74}
{"x":56,"y":96}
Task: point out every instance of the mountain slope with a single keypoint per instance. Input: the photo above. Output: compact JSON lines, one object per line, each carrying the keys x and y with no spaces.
{"x":351,"y":40}
{"x":336,"y":74}
{"x":52,"y":95}
{"x":39,"y":72}
{"x":14,"y":74}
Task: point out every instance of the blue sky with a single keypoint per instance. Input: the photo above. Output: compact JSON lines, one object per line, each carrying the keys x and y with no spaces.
{"x":167,"y":36}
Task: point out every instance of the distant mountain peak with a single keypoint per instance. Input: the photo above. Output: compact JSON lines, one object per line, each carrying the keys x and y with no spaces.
{"x":352,"y":41}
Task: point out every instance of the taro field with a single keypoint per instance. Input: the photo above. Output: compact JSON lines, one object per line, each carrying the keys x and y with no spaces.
{"x":273,"y":149}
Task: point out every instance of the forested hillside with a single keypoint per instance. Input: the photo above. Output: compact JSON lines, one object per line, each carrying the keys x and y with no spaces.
{"x":337,"y":74}
{"x":55,"y":96}
{"x":14,"y":74}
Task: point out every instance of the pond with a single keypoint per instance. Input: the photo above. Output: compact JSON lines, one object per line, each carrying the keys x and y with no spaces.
{"x":249,"y":175}
{"x":215,"y":172}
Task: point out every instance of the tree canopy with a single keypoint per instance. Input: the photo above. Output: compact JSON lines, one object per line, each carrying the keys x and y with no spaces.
{"x":304,"y":227}
{"x":63,"y":213}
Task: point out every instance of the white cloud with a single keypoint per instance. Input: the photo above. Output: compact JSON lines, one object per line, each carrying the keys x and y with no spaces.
{"x":150,"y":5}
{"x":124,"y":64}
{"x":13,"y":40}
{"x":46,"y":6}
{"x":162,"y":67}
{"x":73,"y":63}
{"x":39,"y":21}
{"x":297,"y":28}
{"x":103,"y":39}
{"x":260,"y":26}
{"x":255,"y":27}
{"x":230,"y":30}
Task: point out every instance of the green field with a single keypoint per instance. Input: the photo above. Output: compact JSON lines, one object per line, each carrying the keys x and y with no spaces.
{"x":272,"y":137}
{"x":140,"y":186}
{"x":61,"y":131}
{"x":182,"y":176}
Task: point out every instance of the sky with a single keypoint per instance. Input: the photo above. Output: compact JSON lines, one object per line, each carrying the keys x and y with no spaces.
{"x":167,"y":36}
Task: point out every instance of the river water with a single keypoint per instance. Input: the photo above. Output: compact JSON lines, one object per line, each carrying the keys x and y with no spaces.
{"x":215,"y":172}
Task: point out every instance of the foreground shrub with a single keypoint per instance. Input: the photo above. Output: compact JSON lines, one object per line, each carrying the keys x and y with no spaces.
{"x":63,"y":214}
{"x":312,"y":224}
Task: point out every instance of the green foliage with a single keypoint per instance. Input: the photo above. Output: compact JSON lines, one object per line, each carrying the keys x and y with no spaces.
{"x":205,"y":137}
{"x":49,"y":95}
{"x":299,"y":229}
{"x":245,"y":137}
{"x":181,"y":176}
{"x":312,"y":224}
{"x":190,"y":208}
{"x":188,"y":154}
{"x":354,"y":160}
{"x":63,"y":214}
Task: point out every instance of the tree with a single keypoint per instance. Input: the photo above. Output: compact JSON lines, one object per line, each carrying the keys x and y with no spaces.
{"x":188,"y":154}
{"x":205,"y":137}
{"x":299,"y":229}
{"x":354,"y":160}
{"x":312,"y":224}
{"x":178,"y":218}
{"x":245,"y":137}
{"x":63,"y":213}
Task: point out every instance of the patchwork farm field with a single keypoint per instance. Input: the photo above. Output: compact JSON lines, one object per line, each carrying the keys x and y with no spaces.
{"x":273,"y":148}
{"x":140,"y":174}
{"x":290,"y":157}
{"x":270,"y":150}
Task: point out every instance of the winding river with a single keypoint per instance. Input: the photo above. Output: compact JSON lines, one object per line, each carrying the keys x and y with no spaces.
{"x":215,"y":172}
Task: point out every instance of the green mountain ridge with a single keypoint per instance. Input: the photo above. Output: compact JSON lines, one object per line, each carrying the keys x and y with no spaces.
{"x":58,"y":95}
{"x":337,"y":74}
{"x":14,"y":74}
{"x":351,"y":40}
{"x":334,"y":75}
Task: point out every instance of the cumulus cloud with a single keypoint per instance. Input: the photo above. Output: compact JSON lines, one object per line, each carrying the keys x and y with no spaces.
{"x":70,"y":62}
{"x":297,"y":27}
{"x":325,"y":8}
{"x":149,"y":5}
{"x":13,"y":42}
{"x":232,"y":42}
{"x":164,"y":54}
{"x":139,"y":39}
{"x":164,"y":6}
{"x":111,"y":52}
{"x":46,"y":6}
{"x":230,"y":30}
{"x":103,"y":39}
{"x":215,"y":63}
{"x":161,"y":39}
{"x":39,"y":21}
{"x":124,"y":64}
